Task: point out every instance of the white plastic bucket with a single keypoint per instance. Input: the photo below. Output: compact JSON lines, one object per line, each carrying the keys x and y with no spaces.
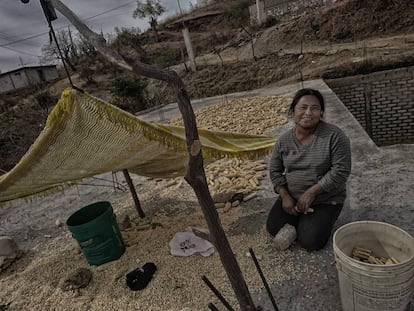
{"x":369,"y":287}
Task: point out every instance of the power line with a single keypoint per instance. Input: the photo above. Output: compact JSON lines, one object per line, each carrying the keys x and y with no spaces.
{"x":104,"y":12}
{"x":44,"y":33}
{"x":27,"y":38}
{"x":21,"y":52}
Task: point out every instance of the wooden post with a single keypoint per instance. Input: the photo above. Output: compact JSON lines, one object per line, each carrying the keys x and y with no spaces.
{"x":133,"y":193}
{"x":189,"y":46}
{"x":260,"y":12}
{"x":368,"y":107}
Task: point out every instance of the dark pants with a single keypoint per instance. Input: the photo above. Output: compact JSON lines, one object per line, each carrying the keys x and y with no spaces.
{"x":313,"y":229}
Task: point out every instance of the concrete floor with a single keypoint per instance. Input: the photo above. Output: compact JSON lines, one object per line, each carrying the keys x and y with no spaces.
{"x":372,"y":169}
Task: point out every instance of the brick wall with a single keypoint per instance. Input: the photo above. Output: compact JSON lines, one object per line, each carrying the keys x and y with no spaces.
{"x":382,"y":102}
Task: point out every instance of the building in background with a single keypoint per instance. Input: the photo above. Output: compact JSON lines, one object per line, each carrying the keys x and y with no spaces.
{"x":27,"y":76}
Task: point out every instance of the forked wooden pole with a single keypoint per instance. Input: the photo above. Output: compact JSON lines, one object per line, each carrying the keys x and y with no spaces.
{"x":195,"y":175}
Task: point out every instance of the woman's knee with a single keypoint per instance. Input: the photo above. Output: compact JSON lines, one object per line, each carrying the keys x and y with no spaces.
{"x":311,"y":242}
{"x":272,"y":226}
{"x":312,"y":236}
{"x":315,"y":229}
{"x":276,"y":219}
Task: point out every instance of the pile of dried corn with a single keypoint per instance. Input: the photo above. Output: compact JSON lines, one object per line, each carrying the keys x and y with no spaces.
{"x":229,"y":177}
{"x":247,"y":115}
{"x":368,"y":256}
{"x":254,"y":115}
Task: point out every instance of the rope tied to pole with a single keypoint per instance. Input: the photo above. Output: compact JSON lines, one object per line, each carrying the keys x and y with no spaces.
{"x":50,"y":15}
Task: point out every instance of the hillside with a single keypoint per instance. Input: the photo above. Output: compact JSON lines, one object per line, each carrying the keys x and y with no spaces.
{"x":350,"y":37}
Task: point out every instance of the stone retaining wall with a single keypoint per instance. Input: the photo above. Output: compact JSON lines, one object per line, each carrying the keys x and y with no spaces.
{"x":382,"y":102}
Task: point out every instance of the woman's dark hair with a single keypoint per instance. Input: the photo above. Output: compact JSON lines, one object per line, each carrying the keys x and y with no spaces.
{"x":303,"y":92}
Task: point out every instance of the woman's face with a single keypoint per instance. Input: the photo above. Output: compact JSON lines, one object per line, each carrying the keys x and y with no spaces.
{"x":307,"y":112}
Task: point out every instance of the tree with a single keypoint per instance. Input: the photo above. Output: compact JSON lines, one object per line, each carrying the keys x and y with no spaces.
{"x":195,"y":175}
{"x":152,"y":9}
{"x":130,"y":37}
{"x":67,"y":46}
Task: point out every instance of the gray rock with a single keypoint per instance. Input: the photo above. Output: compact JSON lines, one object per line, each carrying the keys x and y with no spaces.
{"x":9,"y":252}
{"x":224,"y":197}
{"x":8,"y":247}
{"x":125,"y":223}
{"x":285,"y":237}
{"x":78,"y":279}
{"x":58,"y":223}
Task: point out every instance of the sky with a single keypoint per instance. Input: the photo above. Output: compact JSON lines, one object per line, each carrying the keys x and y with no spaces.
{"x":24,"y":29}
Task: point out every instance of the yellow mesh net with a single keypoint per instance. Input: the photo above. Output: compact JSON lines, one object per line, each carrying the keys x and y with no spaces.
{"x":85,"y":136}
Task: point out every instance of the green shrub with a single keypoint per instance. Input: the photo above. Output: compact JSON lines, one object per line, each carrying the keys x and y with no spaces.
{"x":129,"y":93}
{"x":167,"y":57}
{"x":239,"y":11}
{"x":270,"y":21}
{"x":86,"y":73}
{"x":45,"y":99}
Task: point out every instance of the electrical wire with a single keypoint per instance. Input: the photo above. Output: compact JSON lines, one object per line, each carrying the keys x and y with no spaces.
{"x":21,"y":52}
{"x":58,"y":28}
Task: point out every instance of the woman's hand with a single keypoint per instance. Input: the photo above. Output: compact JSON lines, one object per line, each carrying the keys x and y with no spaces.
{"x":288,"y":204}
{"x":305,"y":202}
{"x":307,"y":198}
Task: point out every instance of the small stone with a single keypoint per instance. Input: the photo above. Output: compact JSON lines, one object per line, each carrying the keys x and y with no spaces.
{"x":223,"y":197}
{"x":78,"y":279}
{"x":58,"y":223}
{"x":8,"y":247}
{"x":285,"y":237}
{"x":258,"y":257}
{"x":125,"y":223}
{"x":9,"y":252}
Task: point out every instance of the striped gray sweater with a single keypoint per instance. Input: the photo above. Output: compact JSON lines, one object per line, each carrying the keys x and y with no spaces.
{"x":326,"y":160}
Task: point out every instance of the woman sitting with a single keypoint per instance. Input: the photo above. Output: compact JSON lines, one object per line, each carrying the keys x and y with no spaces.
{"x":309,"y":168}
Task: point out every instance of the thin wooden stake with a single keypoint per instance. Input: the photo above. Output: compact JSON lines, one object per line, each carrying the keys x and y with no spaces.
{"x":212,"y":307}
{"x":134,"y":193}
{"x":269,"y":292}
{"x":217,"y":293}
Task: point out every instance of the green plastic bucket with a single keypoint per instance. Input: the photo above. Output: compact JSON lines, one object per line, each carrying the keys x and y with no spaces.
{"x":95,"y":228}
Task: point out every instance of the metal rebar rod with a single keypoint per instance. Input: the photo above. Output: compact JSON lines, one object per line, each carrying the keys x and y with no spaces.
{"x":269,"y":292}
{"x":212,"y":307}
{"x":133,"y":193}
{"x":217,"y":293}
